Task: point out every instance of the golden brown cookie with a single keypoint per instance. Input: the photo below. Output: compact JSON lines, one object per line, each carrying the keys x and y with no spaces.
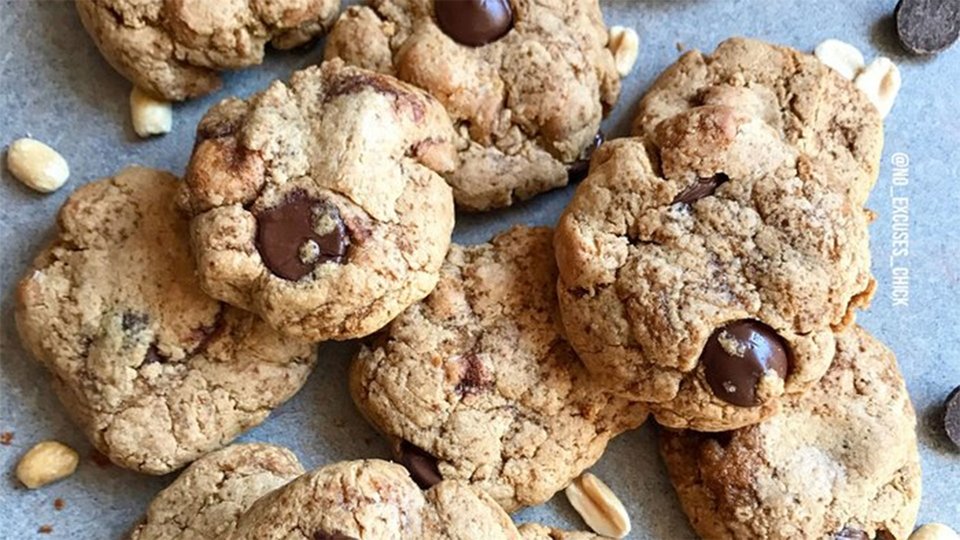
{"x":839,"y":462}
{"x":317,"y":203}
{"x":154,"y":371}
{"x":526,"y":83}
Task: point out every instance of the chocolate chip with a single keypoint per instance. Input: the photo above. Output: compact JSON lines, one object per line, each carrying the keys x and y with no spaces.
{"x":421,"y":465}
{"x":324,"y":535}
{"x":951,"y":417}
{"x":738,"y":355}
{"x":300,"y":234}
{"x":927,"y":26}
{"x":851,"y":533}
{"x":153,"y":355}
{"x":474,"y":22}
{"x":473,"y":375}
{"x":579,"y":169}
{"x":133,"y":323}
{"x":703,"y":188}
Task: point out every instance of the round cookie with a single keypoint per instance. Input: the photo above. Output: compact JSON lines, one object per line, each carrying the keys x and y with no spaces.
{"x":373,"y":500}
{"x":705,"y":268}
{"x":526,"y":83}
{"x":477,"y":383}
{"x":839,"y":462}
{"x":317,"y":203}
{"x":155,"y":372}
{"x":206,"y":500}
{"x":175,"y":48}
{"x":814,"y":109}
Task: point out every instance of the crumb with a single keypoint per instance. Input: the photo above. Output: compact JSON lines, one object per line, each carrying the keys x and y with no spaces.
{"x":101,"y":460}
{"x":681,"y":47}
{"x":58,"y":504}
{"x":6,"y":438}
{"x":45,"y":529}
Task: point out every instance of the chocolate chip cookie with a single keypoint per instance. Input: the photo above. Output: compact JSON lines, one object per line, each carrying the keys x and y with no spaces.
{"x":318,"y":204}
{"x":206,"y":500}
{"x":477,"y":382}
{"x":526,"y":83}
{"x":810,"y":106}
{"x":155,"y":372}
{"x":839,"y":462}
{"x":704,"y":268}
{"x":175,"y":48}
{"x":374,"y":500}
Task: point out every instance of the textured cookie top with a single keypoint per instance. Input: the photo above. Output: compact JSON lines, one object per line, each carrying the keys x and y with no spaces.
{"x":809,"y":105}
{"x":706,"y":279}
{"x":206,"y":500}
{"x":477,"y":383}
{"x":841,"y":457}
{"x":525,"y":82}
{"x":155,"y":372}
{"x":174,"y":48}
{"x":317,"y":203}
{"x":373,"y":500}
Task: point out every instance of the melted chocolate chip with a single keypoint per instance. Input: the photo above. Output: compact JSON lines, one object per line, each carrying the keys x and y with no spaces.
{"x":421,"y":465}
{"x":324,"y":535}
{"x":474,"y":377}
{"x":300,"y":234}
{"x":474,"y":22}
{"x":579,"y":169}
{"x":133,"y":323}
{"x":703,"y":188}
{"x":951,"y":417}
{"x":738,"y":355}
{"x":927,"y":26}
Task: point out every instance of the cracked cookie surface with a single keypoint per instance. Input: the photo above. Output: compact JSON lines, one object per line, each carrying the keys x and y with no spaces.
{"x":175,"y":48}
{"x":525,"y":82}
{"x":842,"y":457}
{"x":810,"y":106}
{"x":477,"y":383}
{"x":155,"y":372}
{"x":703,"y":270}
{"x":317,"y":203}
{"x":208,"y":497}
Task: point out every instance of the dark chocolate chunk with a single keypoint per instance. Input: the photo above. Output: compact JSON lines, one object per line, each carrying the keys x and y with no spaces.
{"x":738,"y":355}
{"x":951,"y":417}
{"x":474,"y":377}
{"x":928,"y":26}
{"x":579,"y":169}
{"x":851,"y":533}
{"x":421,"y":465}
{"x":134,"y":323}
{"x":703,"y":188}
{"x":474,"y":22}
{"x":300,"y":234}
{"x":324,"y":535}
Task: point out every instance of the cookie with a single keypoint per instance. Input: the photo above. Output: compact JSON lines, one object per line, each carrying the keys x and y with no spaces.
{"x":477,"y":382}
{"x":810,"y":106}
{"x":175,"y":48}
{"x":838,"y":462}
{"x":526,"y":83}
{"x":704,"y":269}
{"x":155,"y":372}
{"x":206,"y":500}
{"x":373,"y":499}
{"x":317,"y":203}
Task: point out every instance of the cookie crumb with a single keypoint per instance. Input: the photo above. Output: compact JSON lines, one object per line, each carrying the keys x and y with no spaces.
{"x":45,"y":529}
{"x":58,"y":504}
{"x":6,"y":438}
{"x":681,"y":46}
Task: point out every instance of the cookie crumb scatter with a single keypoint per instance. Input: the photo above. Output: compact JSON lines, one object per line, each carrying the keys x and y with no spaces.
{"x":6,"y":438}
{"x":150,"y":116}
{"x":38,"y":166}
{"x":58,"y":504}
{"x":598,"y":506}
{"x":45,"y":529}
